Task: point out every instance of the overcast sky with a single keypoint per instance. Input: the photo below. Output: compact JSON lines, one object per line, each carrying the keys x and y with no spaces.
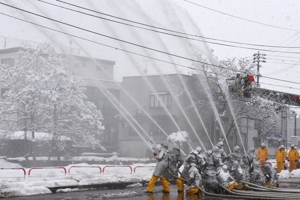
{"x":230,"y":21}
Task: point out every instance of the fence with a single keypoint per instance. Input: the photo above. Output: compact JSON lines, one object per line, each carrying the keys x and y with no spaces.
{"x":134,"y":170}
{"x":46,"y":168}
{"x":127,"y":166}
{"x":84,"y":167}
{"x":23,"y":169}
{"x":28,"y":172}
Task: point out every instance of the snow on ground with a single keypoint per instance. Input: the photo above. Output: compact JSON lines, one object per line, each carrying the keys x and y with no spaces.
{"x":284,"y":174}
{"x":37,"y":180}
{"x":4,"y":163}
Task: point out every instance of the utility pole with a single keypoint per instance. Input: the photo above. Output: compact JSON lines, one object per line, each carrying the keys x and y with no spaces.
{"x":258,"y":58}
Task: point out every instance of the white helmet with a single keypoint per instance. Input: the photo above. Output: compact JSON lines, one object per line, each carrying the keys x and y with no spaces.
{"x":198,"y":149}
{"x":220,"y":144}
{"x":236,"y":149}
{"x":225,"y":167}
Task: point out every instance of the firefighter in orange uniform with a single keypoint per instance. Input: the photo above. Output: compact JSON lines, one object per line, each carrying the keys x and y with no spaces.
{"x":280,"y":158}
{"x":262,"y":153}
{"x":293,"y":157}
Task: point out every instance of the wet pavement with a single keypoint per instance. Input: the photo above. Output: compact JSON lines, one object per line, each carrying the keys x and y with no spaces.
{"x":124,"y":194}
{"x":134,"y":193}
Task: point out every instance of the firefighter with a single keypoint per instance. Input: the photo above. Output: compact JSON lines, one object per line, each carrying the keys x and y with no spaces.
{"x":262,"y":153}
{"x":237,"y":84}
{"x":280,"y":158}
{"x":160,"y":170}
{"x":271,"y":175}
{"x":237,"y":173}
{"x":224,"y":178}
{"x":193,"y":157}
{"x":248,"y":159}
{"x":246,"y":171}
{"x":257,"y":176}
{"x":234,"y":156}
{"x":174,"y":163}
{"x":247,"y":86}
{"x":213,"y":162}
{"x":293,"y":157}
{"x":220,"y":145}
{"x":194,"y":181}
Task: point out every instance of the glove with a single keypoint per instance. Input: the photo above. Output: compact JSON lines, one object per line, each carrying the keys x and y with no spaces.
{"x":154,"y":154}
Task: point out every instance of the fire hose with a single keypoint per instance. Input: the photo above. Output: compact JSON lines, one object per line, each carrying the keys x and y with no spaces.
{"x":261,"y":195}
{"x":231,"y":195}
{"x":290,"y":190}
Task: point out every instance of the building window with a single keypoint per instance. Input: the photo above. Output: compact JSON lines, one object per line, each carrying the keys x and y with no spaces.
{"x":157,"y":100}
{"x":8,"y":61}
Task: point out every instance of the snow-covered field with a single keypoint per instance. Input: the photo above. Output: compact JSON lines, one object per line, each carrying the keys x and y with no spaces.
{"x":18,"y":181}
{"x":36,"y":181}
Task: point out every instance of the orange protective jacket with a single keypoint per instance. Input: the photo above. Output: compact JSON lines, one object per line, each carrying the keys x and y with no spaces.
{"x":262,"y":154}
{"x":293,"y":155}
{"x":280,"y":155}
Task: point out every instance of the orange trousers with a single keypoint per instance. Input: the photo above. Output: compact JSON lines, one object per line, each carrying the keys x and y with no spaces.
{"x":293,"y":165}
{"x":232,"y":185}
{"x":280,"y":166}
{"x":180,"y":183}
{"x":193,"y":194}
{"x":164,"y":182}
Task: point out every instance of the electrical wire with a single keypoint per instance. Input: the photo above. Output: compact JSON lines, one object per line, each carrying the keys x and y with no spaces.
{"x":130,"y":21}
{"x":156,"y":27}
{"x":279,"y":70}
{"x":240,"y":17}
{"x":283,"y":59}
{"x":116,"y":48}
{"x":283,"y":63}
{"x":182,"y":57}
{"x":279,"y":56}
{"x":280,"y":86}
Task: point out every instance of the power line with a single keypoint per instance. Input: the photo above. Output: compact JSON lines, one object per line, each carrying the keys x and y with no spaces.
{"x":240,"y":17}
{"x":113,"y":38}
{"x":277,"y":54}
{"x":280,"y":56}
{"x":126,"y":50}
{"x":156,"y":27}
{"x":283,"y":63}
{"x":116,"y":48}
{"x":280,"y":80}
{"x":280,"y":86}
{"x":182,"y":57}
{"x":279,"y":70}
{"x":284,"y":59}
